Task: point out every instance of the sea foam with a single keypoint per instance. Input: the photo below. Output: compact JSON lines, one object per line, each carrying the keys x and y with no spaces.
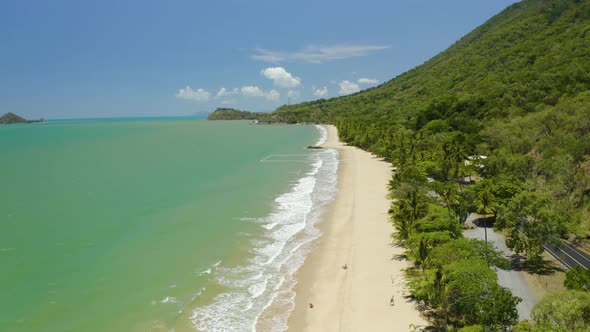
{"x":259,"y":295}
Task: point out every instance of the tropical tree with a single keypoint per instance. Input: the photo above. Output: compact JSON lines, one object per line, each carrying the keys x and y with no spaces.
{"x":408,"y":210}
{"x":484,"y":196}
{"x":472,"y":328}
{"x":474,"y":297}
{"x":456,"y":151}
{"x":419,"y":244}
{"x":464,"y":204}
{"x":448,"y":192}
{"x":463,"y":248}
{"x":532,"y":222}
{"x":577,"y":278}
{"x":569,"y":311}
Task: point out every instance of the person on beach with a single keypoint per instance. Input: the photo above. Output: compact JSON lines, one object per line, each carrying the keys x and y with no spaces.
{"x":392,"y":301}
{"x":310,"y":305}
{"x":345,"y":266}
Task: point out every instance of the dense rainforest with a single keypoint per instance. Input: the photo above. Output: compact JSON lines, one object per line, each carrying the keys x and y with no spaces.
{"x":232,"y":114}
{"x":498,"y":124}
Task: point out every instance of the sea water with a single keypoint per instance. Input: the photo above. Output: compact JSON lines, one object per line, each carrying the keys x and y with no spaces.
{"x":156,"y":224}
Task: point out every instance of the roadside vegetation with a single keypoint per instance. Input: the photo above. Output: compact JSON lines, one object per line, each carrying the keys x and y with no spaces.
{"x":498,"y":124}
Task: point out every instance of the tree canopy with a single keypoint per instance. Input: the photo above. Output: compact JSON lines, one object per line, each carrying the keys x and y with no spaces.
{"x":505,"y":107}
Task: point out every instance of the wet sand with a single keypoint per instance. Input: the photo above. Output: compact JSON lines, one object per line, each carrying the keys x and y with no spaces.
{"x":356,"y":232}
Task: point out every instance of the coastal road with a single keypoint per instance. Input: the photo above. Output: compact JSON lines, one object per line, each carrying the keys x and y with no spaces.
{"x":568,"y":255}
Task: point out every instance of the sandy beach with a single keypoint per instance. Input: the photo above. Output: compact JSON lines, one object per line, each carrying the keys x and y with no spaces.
{"x":356,"y":232}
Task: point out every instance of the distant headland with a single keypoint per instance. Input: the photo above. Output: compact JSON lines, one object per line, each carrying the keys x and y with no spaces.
{"x":233,"y":114}
{"x":10,"y":118}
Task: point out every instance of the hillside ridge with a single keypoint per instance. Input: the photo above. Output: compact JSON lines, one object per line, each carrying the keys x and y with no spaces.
{"x":10,"y":118}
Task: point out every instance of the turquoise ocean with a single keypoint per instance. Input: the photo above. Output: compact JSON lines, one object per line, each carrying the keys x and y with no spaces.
{"x":163,"y":224}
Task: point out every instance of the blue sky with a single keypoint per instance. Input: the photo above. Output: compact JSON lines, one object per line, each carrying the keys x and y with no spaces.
{"x":83,"y":59}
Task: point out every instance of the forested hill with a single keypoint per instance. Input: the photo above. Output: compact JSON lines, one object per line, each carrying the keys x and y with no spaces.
{"x":516,"y":89}
{"x":10,"y":118}
{"x":232,"y":114}
{"x":509,"y":106}
{"x":521,"y":60}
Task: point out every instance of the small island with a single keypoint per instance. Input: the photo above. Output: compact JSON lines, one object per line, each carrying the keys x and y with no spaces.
{"x":233,"y":114}
{"x":10,"y":118}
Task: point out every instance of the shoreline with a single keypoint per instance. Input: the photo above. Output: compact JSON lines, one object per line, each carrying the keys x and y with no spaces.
{"x":356,"y":232}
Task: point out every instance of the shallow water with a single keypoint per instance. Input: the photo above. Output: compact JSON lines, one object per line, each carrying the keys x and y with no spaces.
{"x":155,"y":224}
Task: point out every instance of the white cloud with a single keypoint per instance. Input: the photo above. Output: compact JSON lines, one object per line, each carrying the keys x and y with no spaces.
{"x":321,"y":92}
{"x":347,"y":87}
{"x":317,"y":54}
{"x":190,"y":94}
{"x":367,"y":81}
{"x":228,"y":102}
{"x":272,"y":95}
{"x":281,"y":77}
{"x":224,"y":92}
{"x":254,"y":91}
{"x":293,"y":93}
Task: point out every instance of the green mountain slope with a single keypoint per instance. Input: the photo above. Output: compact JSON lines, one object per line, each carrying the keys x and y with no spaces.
{"x":519,"y":61}
{"x":508,"y":105}
{"x":10,"y":118}
{"x":516,"y":89}
{"x":232,"y":114}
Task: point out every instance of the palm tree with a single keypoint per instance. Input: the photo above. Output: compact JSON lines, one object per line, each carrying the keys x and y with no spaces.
{"x":408,"y":210}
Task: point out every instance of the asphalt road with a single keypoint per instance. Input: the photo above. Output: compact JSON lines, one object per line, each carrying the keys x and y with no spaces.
{"x":568,"y":255}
